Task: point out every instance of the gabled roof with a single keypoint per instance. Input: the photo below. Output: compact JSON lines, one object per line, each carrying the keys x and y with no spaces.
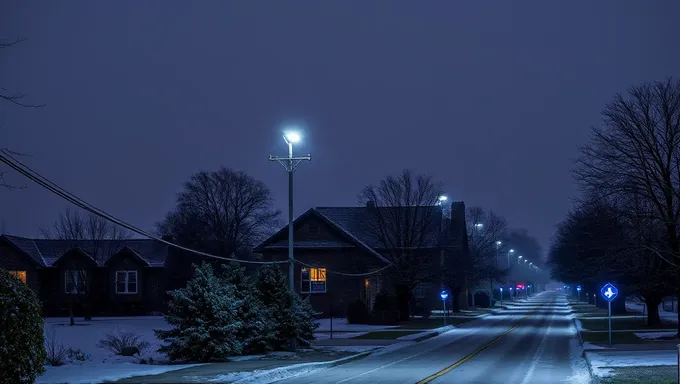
{"x":28,"y":247}
{"x":351,"y":238}
{"x":47,"y":252}
{"x":352,"y":223}
{"x":132,"y":252}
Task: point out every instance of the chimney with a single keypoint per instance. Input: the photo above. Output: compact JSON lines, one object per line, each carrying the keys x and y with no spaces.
{"x":370,"y":204}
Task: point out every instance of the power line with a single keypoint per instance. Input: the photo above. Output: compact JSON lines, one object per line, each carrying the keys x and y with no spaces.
{"x":34,"y":176}
{"x":343,"y":273}
{"x":45,"y":183}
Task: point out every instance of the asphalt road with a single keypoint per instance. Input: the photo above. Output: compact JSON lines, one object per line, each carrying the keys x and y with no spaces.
{"x":529,"y":343}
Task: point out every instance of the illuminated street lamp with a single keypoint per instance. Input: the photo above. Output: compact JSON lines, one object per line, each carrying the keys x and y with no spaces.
{"x":290,"y":163}
{"x":510,"y":252}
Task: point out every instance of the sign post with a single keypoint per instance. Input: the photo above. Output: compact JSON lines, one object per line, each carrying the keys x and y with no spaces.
{"x":501,"y":288}
{"x":444,"y":295}
{"x":609,"y":292}
{"x":578,"y":291}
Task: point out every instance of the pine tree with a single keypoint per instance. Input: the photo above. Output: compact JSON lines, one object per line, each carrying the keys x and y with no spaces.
{"x":288,"y":320}
{"x":205,"y":319}
{"x":257,"y":331}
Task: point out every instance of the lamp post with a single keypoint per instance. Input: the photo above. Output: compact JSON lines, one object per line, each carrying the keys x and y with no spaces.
{"x":501,"y":290}
{"x":509,"y":253}
{"x":444,"y":295}
{"x":290,"y":163}
{"x":498,"y":247}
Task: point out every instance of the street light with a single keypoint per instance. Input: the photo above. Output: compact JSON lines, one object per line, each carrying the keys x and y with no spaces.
{"x":498,"y":247}
{"x":444,"y":294}
{"x":479,"y":225}
{"x":290,"y":163}
{"x":509,"y":252}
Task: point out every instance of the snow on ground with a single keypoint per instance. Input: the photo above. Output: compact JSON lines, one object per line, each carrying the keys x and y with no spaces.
{"x":654,"y":335}
{"x":348,"y":348}
{"x":601,"y":362}
{"x":100,"y":372}
{"x":102,"y":364}
{"x":86,"y":334}
{"x":341,"y":325}
{"x":337,"y":335}
{"x":667,"y":316}
{"x":255,"y":377}
{"x":579,"y":367}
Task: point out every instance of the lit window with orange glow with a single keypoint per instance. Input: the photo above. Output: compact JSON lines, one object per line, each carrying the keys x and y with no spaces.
{"x":313,"y":280}
{"x":21,"y":275}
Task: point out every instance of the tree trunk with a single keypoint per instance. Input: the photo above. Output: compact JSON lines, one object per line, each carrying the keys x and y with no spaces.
{"x":403,"y":302}
{"x":70,"y":312}
{"x":455,"y":299}
{"x":652,"y":310}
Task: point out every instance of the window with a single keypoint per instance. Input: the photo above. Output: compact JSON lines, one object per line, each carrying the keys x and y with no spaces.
{"x":421,"y":290}
{"x":313,"y":230}
{"x":126,"y":282}
{"x":21,"y":275}
{"x":313,"y":280}
{"x":74,"y":281}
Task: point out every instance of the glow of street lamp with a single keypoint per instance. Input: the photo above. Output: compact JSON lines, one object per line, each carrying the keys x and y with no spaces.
{"x":519,"y":257}
{"x":443,"y":198}
{"x":499,"y":242}
{"x":512,"y":251}
{"x":292,"y":136}
{"x":479,"y":225}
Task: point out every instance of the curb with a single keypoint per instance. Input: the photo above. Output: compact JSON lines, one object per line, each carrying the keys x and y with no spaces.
{"x":578,"y":331}
{"x":593,"y":377}
{"x":284,"y":373}
{"x":422,"y":336}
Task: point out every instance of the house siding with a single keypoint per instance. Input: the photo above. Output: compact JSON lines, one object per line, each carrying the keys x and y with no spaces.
{"x":13,"y":260}
{"x":340,"y":290}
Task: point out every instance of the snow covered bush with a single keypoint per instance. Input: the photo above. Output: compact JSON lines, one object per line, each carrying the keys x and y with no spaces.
{"x":257,"y":332}
{"x":22,"y":348}
{"x":290,"y":315}
{"x":205,"y":319}
{"x":123,"y":343}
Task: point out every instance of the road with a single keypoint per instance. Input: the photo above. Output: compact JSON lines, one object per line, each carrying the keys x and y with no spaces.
{"x":528,"y":343}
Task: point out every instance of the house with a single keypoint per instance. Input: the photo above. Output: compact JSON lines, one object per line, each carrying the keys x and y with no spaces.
{"x":335,"y":247}
{"x":104,"y":277}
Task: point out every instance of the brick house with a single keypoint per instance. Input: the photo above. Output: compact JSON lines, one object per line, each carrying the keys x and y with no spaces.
{"x":337,"y":239}
{"x":108,"y":277}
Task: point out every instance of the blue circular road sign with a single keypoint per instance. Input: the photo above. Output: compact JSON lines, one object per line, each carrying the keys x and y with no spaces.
{"x":578,"y":288}
{"x":444,"y":295}
{"x":609,"y":292}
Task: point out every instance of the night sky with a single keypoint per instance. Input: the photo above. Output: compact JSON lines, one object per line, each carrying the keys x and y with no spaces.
{"x":490,"y":97}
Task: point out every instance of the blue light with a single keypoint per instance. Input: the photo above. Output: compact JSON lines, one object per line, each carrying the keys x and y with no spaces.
{"x":443,"y":295}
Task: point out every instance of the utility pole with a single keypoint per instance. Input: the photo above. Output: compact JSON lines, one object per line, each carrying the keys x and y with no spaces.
{"x":290,"y":163}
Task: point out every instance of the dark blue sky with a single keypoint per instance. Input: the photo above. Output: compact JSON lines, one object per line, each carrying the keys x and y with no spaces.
{"x":492,"y":98}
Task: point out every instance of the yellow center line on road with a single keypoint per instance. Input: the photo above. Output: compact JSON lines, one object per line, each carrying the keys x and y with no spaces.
{"x":475,"y":353}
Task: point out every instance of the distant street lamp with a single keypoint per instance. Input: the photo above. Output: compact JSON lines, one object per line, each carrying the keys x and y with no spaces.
{"x":444,"y":295}
{"x":498,"y":247}
{"x":290,"y":163}
{"x":509,"y":253}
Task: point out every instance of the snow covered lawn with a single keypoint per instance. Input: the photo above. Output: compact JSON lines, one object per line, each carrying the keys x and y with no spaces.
{"x":86,"y":334}
{"x":100,"y":372}
{"x":102,"y":364}
{"x":603,"y":362}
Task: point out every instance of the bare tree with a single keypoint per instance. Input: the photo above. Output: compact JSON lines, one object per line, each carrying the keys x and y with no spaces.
{"x":485,"y":229}
{"x":637,"y":152}
{"x":226,"y":206}
{"x":14,"y":98}
{"x":403,"y":222}
{"x":97,"y":237}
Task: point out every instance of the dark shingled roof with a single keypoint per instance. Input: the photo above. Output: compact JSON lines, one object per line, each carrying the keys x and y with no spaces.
{"x":354,"y":222}
{"x":357,"y":221}
{"x":47,"y":252}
